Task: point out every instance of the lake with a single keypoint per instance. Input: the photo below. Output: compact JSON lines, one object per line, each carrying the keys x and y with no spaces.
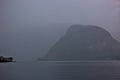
{"x":61,"y":70}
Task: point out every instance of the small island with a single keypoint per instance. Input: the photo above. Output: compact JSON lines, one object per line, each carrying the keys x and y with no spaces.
{"x":5,"y":59}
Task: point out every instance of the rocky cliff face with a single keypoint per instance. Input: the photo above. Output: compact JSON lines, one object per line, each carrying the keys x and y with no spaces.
{"x":85,"y":42}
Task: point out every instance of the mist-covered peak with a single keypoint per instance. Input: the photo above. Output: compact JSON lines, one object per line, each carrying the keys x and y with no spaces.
{"x":85,"y":42}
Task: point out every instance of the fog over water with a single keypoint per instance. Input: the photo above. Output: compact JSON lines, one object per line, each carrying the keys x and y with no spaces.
{"x":31,"y":27}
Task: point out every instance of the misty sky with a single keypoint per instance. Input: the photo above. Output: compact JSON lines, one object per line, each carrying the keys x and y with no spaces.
{"x":23,"y":16}
{"x":37,"y":12}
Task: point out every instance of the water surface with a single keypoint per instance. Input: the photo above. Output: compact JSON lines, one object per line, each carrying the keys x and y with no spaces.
{"x":61,"y":70}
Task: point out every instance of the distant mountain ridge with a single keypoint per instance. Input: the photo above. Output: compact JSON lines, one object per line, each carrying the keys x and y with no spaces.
{"x":85,"y":42}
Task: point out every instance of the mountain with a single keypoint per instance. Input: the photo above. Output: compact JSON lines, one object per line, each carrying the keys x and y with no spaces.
{"x":85,"y":42}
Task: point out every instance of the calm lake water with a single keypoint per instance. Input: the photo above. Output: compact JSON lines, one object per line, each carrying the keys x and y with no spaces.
{"x":61,"y":70}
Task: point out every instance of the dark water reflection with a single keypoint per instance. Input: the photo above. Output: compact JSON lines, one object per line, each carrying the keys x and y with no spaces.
{"x":95,"y":70}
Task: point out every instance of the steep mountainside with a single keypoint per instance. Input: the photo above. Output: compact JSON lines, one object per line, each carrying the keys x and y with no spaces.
{"x":85,"y":42}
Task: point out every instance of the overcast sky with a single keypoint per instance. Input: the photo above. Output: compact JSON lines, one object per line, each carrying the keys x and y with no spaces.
{"x":37,"y":12}
{"x":57,"y":11}
{"x":31,"y":13}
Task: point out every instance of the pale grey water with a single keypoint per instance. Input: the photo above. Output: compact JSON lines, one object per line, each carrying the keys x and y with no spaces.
{"x":61,"y":70}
